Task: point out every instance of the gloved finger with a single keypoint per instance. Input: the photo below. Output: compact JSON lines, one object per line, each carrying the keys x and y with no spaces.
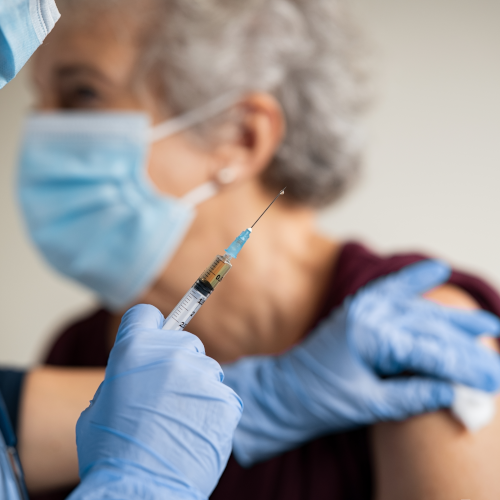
{"x":149,"y":349}
{"x":139,"y":317}
{"x":476,"y":322}
{"x":148,"y":321}
{"x":447,"y":355}
{"x":183,"y":339}
{"x":418,"y":311}
{"x":406,"y":397}
{"x":416,"y":279}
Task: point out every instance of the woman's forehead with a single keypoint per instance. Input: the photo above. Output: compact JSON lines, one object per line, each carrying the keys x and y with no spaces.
{"x":99,"y":49}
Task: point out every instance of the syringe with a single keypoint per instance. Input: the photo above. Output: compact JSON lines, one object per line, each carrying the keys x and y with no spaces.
{"x":208,"y":280}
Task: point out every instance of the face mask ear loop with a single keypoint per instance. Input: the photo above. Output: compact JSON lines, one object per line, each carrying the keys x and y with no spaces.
{"x":194,"y":117}
{"x":174,"y":125}
{"x":209,"y":189}
{"x":200,"y":194}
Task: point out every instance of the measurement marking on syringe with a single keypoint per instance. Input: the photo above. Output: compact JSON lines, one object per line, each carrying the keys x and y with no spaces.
{"x":186,"y":302}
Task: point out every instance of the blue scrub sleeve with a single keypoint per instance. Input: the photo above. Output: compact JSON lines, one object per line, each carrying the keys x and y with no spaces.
{"x":11,"y":385}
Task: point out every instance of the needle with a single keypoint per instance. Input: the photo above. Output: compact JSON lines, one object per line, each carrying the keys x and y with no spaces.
{"x":282,"y":192}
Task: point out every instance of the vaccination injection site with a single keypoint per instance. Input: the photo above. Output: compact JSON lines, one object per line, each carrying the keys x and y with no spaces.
{"x":249,"y":250}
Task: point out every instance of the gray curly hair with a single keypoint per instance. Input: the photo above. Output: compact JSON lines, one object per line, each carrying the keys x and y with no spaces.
{"x":306,"y":53}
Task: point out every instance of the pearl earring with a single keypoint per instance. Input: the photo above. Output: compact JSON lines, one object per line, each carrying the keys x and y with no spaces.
{"x":227,"y":174}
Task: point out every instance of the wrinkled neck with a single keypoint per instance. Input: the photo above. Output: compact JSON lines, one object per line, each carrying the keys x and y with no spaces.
{"x":272,"y":293}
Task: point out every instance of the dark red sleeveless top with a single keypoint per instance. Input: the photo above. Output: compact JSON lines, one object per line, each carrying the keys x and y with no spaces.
{"x":335,"y":467}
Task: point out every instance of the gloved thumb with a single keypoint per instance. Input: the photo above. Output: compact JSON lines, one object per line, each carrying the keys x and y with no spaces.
{"x":406,"y":397}
{"x":418,"y":278}
{"x":139,"y":317}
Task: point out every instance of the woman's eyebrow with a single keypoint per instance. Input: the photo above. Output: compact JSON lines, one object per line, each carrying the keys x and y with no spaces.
{"x":75,"y":70}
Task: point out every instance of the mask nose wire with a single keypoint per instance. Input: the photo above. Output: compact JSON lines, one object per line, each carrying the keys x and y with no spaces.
{"x":194,"y":117}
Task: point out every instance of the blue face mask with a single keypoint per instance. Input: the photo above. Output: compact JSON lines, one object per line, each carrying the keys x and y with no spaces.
{"x":24,"y":24}
{"x":89,"y":206}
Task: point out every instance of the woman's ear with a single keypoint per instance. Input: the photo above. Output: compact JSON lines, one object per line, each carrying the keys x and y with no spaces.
{"x":259,"y":133}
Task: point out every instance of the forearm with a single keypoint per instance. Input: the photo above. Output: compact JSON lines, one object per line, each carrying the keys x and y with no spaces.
{"x":51,"y":403}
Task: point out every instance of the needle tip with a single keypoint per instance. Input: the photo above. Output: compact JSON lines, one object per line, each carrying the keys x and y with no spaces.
{"x":281,"y":192}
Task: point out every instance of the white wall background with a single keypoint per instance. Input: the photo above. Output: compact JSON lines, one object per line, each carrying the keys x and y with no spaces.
{"x":432,"y":175}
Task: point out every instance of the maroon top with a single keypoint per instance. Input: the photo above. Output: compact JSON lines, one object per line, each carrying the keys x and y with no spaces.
{"x":335,"y":467}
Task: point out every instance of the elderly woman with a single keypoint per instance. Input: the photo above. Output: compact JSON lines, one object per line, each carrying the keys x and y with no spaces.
{"x":245,"y":99}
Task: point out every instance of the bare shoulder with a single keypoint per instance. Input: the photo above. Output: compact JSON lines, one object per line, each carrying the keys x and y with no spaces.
{"x":453,"y":296}
{"x":432,"y":457}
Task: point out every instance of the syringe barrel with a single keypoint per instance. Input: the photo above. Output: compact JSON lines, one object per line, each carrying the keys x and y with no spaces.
{"x":185,"y":309}
{"x":216,"y":271}
{"x":198,"y":294}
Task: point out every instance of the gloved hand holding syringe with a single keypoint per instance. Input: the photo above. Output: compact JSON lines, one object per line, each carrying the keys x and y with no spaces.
{"x":473,"y":407}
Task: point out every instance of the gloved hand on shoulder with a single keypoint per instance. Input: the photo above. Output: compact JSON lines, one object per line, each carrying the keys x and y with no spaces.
{"x":161,"y":424}
{"x":333,"y":380}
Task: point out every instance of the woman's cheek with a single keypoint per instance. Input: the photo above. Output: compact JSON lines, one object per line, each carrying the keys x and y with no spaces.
{"x":175,"y":167}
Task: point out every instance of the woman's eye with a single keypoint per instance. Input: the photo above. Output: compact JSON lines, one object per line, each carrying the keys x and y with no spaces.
{"x":82,"y":96}
{"x":86,"y":94}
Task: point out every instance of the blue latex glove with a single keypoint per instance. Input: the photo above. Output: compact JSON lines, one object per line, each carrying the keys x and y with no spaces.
{"x":8,"y":485}
{"x":161,"y":423}
{"x":332,"y":380}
